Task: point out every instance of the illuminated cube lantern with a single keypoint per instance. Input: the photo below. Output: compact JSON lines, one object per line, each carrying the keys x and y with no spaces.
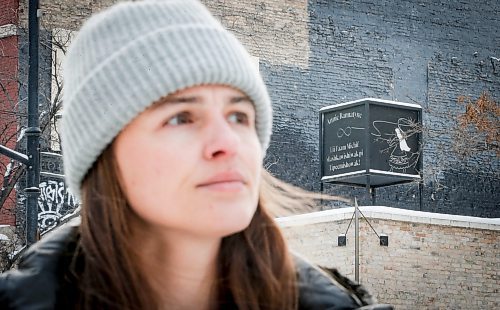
{"x":371,"y":142}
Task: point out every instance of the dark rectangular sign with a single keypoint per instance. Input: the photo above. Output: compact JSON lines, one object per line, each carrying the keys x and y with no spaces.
{"x":343,"y":140}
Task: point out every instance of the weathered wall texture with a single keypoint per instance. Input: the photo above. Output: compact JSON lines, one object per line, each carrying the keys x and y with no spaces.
{"x":319,"y":52}
{"x":276,"y":31}
{"x":66,"y":14}
{"x":270,"y":36}
{"x":423,"y":52}
{"x":433,"y":261}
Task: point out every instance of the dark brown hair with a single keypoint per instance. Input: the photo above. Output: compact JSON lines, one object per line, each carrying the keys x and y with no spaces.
{"x":255,"y":268}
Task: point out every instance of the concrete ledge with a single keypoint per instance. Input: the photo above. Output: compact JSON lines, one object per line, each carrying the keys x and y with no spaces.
{"x":6,"y":232}
{"x":395,"y":214}
{"x":8,"y":30}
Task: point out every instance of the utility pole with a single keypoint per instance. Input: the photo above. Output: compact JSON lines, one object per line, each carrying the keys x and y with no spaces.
{"x":32,"y":158}
{"x":33,"y":131}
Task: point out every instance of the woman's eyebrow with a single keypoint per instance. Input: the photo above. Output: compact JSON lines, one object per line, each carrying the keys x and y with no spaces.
{"x":194,"y":99}
{"x":238,"y":99}
{"x":174,"y":100}
{"x":181,"y":99}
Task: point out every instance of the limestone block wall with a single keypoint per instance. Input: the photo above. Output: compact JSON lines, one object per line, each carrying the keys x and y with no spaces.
{"x":433,"y":261}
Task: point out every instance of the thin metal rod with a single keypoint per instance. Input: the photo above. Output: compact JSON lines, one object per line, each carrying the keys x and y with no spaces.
{"x":374,"y":196}
{"x":14,"y":155}
{"x":368,"y":223}
{"x":356,"y":241}
{"x":352,"y":217}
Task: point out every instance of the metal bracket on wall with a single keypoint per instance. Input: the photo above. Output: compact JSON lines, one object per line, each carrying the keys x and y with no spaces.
{"x":342,"y":238}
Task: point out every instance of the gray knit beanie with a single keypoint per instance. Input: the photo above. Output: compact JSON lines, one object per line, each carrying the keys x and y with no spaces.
{"x":132,"y":54}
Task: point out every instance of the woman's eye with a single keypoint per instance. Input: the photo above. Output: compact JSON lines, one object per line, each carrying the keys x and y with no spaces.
{"x":238,"y":118}
{"x":180,"y":119}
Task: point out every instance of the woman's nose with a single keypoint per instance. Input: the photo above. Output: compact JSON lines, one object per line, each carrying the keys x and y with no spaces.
{"x":221,"y":139}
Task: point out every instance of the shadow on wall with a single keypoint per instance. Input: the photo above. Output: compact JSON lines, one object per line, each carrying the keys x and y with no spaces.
{"x":291,"y":159}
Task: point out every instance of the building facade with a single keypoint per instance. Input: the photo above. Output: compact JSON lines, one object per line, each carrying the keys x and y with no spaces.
{"x":317,"y":53}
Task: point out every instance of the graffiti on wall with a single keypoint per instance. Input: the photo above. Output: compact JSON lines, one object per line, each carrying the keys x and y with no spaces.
{"x":54,"y":202}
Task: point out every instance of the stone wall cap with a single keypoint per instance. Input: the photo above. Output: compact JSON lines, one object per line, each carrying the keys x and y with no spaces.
{"x":388,"y":213}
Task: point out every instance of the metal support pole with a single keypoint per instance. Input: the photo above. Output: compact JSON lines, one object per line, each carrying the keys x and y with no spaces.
{"x":321,"y":188}
{"x":368,"y":189}
{"x":33,"y":131}
{"x":374,"y":195}
{"x":420,"y":194}
{"x":356,"y":240}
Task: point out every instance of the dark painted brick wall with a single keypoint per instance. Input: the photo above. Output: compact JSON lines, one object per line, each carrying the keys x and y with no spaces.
{"x":423,"y":52}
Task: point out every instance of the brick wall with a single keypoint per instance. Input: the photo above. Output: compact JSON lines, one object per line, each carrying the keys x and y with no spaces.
{"x":8,"y":12}
{"x":433,"y":261}
{"x":8,"y":94}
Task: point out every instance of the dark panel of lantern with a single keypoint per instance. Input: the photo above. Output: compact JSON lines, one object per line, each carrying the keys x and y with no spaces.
{"x":370,"y":141}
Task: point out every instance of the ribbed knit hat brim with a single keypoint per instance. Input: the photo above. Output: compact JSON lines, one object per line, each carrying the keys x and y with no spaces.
{"x":129,"y":56}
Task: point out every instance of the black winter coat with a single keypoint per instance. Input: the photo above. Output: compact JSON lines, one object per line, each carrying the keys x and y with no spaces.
{"x":40,"y":281}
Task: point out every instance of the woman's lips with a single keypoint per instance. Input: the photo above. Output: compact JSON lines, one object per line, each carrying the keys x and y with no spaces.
{"x":224,"y":182}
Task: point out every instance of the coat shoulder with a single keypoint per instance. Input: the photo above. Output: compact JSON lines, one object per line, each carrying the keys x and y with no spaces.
{"x":318,"y":290}
{"x":326,"y":288}
{"x":36,"y":281}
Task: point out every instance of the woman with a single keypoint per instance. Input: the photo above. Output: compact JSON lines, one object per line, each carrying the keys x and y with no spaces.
{"x":166,"y":122}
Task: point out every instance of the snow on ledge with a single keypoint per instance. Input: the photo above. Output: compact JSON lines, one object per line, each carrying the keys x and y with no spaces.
{"x":395,"y":214}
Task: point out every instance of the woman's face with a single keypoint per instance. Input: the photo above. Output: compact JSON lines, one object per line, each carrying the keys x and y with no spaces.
{"x":191,"y":163}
